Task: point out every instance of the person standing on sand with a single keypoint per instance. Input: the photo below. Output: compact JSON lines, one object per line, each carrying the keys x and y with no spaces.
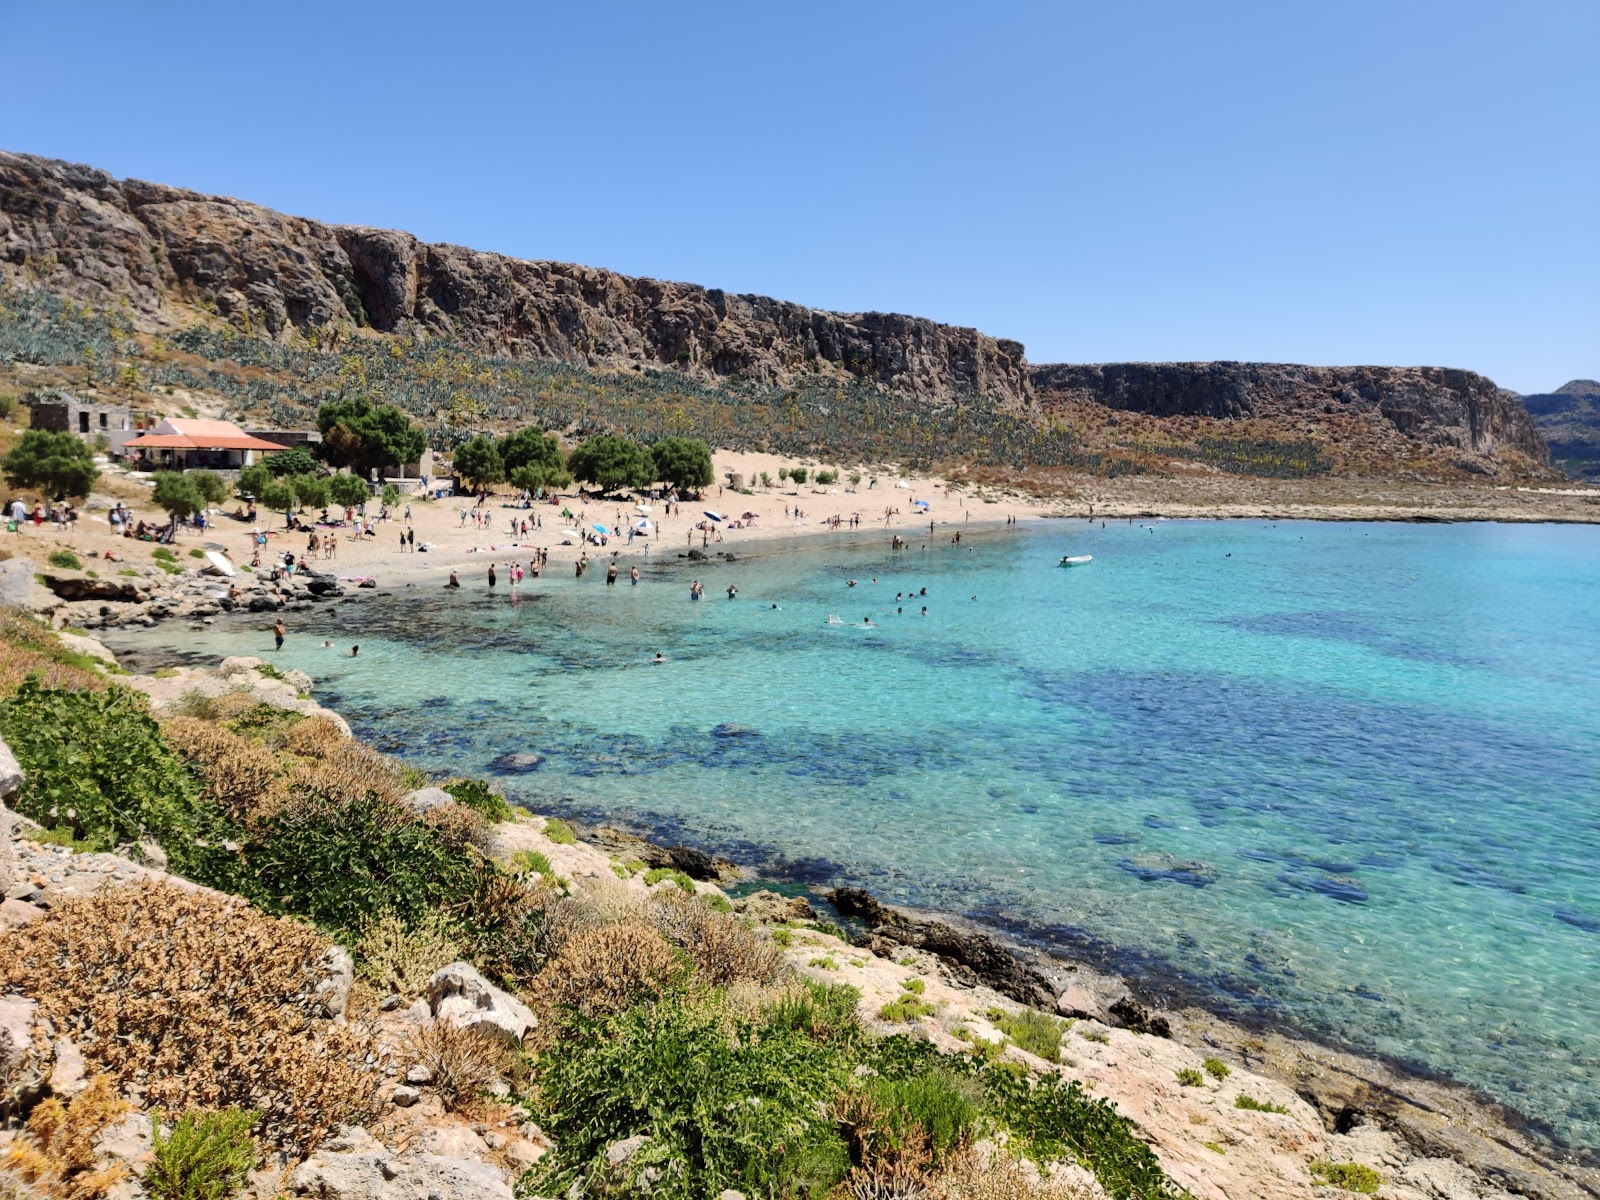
{"x":278,"y":632}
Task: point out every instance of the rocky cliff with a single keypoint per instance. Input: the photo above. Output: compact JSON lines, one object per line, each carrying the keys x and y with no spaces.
{"x":172,"y":257}
{"x":82,"y":233}
{"x":1436,"y":408}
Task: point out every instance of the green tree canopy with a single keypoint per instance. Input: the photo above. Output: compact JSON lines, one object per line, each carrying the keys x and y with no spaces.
{"x":294,"y":461}
{"x":212,"y":488}
{"x":477,"y":461}
{"x":363,"y":436}
{"x":253,"y":481}
{"x":683,"y":462}
{"x":349,"y":491}
{"x":533,"y":460}
{"x":278,"y":496}
{"x":612,"y":462}
{"x":58,"y":464}
{"x":310,"y":491}
{"x":175,"y":494}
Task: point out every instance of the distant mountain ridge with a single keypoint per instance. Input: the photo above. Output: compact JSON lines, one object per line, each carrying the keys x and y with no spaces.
{"x":174,"y":257}
{"x":1569,"y":419}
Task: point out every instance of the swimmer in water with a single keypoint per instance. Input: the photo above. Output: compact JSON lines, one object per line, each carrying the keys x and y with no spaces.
{"x":355,"y":651}
{"x":326,"y":644}
{"x":867,"y":622}
{"x":659,"y":658}
{"x":924,"y":610}
{"x":833,"y":619}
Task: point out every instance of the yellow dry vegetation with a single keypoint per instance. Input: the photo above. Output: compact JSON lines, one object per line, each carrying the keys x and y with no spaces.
{"x":200,"y":1000}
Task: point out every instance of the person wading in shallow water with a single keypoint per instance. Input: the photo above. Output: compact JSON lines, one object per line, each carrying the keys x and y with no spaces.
{"x":277,"y":633}
{"x":493,"y":578}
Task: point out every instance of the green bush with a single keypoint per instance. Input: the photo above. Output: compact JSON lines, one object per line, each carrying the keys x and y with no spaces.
{"x":559,"y":832}
{"x":727,"y":1101}
{"x":657,"y":874}
{"x":1036,"y":1032}
{"x":1189,"y":1077}
{"x":1350,"y":1177}
{"x":475,"y":794}
{"x":95,"y":764}
{"x":1215,"y":1068}
{"x":164,"y":555}
{"x":207,"y":1156}
{"x":906,"y":1008}
{"x":341,"y":864}
{"x":197,"y":553}
{"x":65,"y":560}
{"x":938,"y":1105}
{"x":1056,"y":1118}
{"x":532,"y":862}
{"x":915,"y":986}
{"x":1251,"y":1104}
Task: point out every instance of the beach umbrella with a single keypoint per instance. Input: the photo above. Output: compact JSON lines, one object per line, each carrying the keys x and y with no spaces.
{"x":642,"y":508}
{"x":601,"y":529}
{"x":919,"y":504}
{"x":712,"y":515}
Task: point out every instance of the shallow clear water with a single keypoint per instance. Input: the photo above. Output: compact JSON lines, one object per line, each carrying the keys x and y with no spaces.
{"x":1344,"y":775}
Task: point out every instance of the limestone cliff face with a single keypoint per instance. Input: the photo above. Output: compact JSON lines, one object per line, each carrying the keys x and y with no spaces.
{"x":83,"y":233}
{"x":167,"y":253}
{"x":1436,"y":407}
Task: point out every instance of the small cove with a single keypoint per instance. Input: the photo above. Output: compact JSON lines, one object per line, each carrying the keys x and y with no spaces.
{"x":1341,"y":776}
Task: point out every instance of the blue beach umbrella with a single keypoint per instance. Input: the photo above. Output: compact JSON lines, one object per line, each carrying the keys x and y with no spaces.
{"x":601,"y":529}
{"x":712,"y":515}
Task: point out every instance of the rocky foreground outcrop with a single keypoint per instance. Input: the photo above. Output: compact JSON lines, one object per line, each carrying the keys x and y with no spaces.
{"x":107,"y":241}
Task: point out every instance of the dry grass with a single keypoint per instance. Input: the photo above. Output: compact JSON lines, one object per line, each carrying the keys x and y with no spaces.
{"x":725,"y":950}
{"x":199,"y":999}
{"x":241,"y":776}
{"x":973,"y":1176}
{"x":603,"y":970}
{"x":347,"y":772}
{"x":28,"y":648}
{"x":55,"y":1154}
{"x":461,"y":828}
{"x":315,"y":737}
{"x":465,"y":1062}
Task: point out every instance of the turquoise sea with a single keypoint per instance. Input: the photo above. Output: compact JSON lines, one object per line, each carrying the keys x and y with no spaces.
{"x":1346,"y":776}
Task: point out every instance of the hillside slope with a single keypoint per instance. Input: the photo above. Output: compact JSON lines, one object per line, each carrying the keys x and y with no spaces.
{"x":697,"y":360}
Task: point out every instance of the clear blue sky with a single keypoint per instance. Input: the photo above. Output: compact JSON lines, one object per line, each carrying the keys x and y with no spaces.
{"x":1336,"y":182}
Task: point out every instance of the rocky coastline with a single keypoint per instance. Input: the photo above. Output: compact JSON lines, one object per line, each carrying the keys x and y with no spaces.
{"x":1429,"y":1138}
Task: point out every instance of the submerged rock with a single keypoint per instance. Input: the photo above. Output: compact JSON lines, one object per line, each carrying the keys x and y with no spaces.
{"x":1158,"y":865}
{"x":516,"y":762}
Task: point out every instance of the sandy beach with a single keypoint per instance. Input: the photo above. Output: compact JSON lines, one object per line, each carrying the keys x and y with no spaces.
{"x":882,"y":504}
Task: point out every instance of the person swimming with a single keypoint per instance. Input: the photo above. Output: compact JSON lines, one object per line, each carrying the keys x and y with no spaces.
{"x":659,"y":658}
{"x":355,"y":651}
{"x":833,"y":619}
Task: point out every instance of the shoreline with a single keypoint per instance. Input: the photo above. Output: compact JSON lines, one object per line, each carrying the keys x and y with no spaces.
{"x":1272,"y":1045}
{"x":1427,"y":1107}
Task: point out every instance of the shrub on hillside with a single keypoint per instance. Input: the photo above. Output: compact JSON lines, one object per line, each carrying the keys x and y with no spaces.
{"x":342,"y":861}
{"x":95,"y":763}
{"x":348,"y":772}
{"x":400,"y":961}
{"x":65,"y":560}
{"x":723,"y":948}
{"x":475,"y":794}
{"x":200,"y":1000}
{"x":28,"y":648}
{"x":237,"y":774}
{"x":602,"y":971}
{"x":727,"y":1102}
{"x":314,"y":737}
{"x":207,"y":1156}
{"x":465,"y":1062}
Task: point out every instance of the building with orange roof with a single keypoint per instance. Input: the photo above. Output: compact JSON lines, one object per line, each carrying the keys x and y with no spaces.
{"x":182,"y":443}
